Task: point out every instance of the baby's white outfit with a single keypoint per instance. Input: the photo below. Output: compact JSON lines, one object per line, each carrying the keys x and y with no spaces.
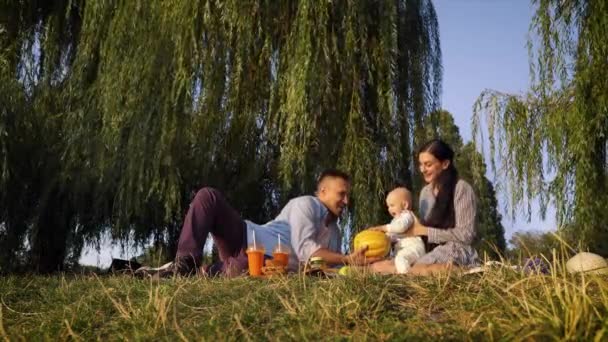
{"x":408,"y":249}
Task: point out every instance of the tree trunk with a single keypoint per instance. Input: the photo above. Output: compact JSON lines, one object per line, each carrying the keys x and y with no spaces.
{"x":49,"y":245}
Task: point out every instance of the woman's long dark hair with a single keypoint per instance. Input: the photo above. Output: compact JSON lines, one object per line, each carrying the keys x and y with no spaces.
{"x":442,"y":214}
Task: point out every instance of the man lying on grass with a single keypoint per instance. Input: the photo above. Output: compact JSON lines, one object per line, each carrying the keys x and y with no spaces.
{"x":306,"y":223}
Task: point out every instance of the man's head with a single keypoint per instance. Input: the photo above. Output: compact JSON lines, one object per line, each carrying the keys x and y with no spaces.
{"x":333,"y":188}
{"x":398,"y":200}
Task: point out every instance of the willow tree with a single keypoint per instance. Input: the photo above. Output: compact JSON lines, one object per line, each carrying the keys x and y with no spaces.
{"x":147,"y":101}
{"x":552,"y":141}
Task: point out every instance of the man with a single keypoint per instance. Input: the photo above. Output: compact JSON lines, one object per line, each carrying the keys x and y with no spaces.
{"x":306,"y":223}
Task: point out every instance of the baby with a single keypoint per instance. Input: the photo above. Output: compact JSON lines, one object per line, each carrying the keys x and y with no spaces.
{"x":408,"y":249}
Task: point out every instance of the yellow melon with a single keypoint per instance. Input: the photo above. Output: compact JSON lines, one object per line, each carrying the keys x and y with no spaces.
{"x":378,"y":244}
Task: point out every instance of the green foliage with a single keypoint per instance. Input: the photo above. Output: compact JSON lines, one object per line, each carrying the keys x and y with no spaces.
{"x":115,"y":112}
{"x":500,"y":304}
{"x":552,"y":141}
{"x":471,"y":167}
{"x":36,"y":200}
{"x":533,"y":243}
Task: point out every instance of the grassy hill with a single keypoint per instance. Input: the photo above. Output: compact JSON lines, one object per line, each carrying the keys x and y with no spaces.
{"x":497,"y":305}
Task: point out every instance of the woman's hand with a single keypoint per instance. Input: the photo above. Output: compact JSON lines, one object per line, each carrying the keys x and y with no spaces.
{"x":417,"y":228}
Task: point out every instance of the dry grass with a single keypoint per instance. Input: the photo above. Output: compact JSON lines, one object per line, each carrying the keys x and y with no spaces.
{"x":499,"y":304}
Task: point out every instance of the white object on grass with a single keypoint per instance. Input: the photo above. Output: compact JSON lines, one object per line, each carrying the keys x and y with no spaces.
{"x":155,"y":269}
{"x":587,"y":263}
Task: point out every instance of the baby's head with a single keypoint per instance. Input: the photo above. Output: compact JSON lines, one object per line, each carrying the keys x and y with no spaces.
{"x":398,"y":200}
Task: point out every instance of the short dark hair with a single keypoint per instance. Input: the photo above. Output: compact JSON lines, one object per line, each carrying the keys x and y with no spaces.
{"x":332,"y":173}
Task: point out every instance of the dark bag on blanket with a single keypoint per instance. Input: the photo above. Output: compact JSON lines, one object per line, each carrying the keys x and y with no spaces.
{"x":124,"y":266}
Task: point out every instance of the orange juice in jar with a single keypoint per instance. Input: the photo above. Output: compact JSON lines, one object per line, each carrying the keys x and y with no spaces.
{"x":281,"y":256}
{"x":255,"y":259}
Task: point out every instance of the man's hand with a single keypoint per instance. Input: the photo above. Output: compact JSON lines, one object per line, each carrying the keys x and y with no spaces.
{"x":358,"y":258}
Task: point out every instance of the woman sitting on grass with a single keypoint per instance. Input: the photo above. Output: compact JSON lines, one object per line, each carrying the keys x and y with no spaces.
{"x":448,"y":210}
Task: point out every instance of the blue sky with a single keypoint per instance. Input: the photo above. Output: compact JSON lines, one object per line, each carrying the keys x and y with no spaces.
{"x":484,"y":46}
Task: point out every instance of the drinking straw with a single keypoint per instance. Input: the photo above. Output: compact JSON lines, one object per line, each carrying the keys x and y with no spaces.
{"x":279,"y":236}
{"x":254,"y":247}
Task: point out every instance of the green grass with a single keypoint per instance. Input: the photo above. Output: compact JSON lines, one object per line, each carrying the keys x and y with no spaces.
{"x":497,"y":305}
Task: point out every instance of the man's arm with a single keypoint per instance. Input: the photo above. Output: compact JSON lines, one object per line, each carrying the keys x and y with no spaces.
{"x":301,"y":217}
{"x":355,"y":258}
{"x":329,"y":256}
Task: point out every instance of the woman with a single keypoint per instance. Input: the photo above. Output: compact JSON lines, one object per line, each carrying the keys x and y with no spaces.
{"x":447,"y":210}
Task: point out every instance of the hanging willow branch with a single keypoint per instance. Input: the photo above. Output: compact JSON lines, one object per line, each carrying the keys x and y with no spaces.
{"x":552,"y":142}
{"x":152,"y":99}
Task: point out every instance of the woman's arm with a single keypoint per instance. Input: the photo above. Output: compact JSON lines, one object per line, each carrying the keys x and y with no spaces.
{"x":465,"y":209}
